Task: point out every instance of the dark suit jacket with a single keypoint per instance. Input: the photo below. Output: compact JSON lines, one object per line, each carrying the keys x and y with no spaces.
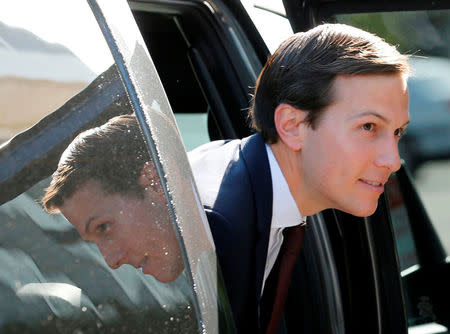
{"x":235,"y":186}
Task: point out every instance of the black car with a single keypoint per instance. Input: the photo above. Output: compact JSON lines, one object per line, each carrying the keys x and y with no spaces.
{"x":186,"y":70}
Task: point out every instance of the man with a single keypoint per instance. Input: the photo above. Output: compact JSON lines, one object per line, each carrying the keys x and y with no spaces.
{"x":329,"y":107}
{"x":107,"y":187}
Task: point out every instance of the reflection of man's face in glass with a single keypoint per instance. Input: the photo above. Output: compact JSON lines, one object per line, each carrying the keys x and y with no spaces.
{"x":128,"y":229}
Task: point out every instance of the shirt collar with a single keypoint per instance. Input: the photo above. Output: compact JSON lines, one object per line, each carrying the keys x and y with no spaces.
{"x":285,"y":212}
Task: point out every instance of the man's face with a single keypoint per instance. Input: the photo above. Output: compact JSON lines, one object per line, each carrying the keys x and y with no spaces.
{"x":348,"y":158}
{"x":127,"y":229}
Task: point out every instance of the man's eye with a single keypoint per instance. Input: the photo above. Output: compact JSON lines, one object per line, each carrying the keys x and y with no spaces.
{"x":399,"y":132}
{"x":368,"y":126}
{"x":101,"y":228}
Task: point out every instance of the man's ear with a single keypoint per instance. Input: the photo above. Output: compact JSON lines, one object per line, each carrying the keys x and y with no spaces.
{"x":290,"y":125}
{"x":149,"y":177}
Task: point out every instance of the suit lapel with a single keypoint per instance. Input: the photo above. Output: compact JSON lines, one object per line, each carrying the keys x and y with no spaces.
{"x":255,"y":156}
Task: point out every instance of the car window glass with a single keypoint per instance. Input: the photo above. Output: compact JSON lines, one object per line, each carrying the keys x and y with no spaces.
{"x":424,"y":310}
{"x":406,"y":248}
{"x":265,"y":15}
{"x":426,"y":144}
{"x":29,"y":88}
{"x":171,"y":54}
{"x":193,"y":129}
{"x":43,"y":66}
{"x":51,"y":279}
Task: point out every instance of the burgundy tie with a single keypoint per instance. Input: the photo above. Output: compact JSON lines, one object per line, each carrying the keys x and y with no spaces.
{"x":289,"y":251}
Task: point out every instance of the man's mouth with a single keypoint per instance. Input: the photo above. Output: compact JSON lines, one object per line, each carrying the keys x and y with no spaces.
{"x":372,"y":183}
{"x":376,"y":186}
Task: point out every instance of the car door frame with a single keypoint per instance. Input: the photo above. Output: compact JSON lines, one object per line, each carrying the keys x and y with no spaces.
{"x":150,"y":103}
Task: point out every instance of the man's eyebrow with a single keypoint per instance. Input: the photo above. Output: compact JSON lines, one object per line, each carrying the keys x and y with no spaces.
{"x":370,"y":113}
{"x":88,"y":223}
{"x":373,"y":113}
{"x":405,"y":124}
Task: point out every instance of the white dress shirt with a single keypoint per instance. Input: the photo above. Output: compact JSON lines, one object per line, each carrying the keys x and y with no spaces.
{"x":285,"y":213}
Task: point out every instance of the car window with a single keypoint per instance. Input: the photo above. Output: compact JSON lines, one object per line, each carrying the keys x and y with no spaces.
{"x":425,"y":296}
{"x":205,"y":63}
{"x":44,"y":66}
{"x":406,"y":247}
{"x":52,"y":279}
{"x":193,"y":129}
{"x":265,"y":15}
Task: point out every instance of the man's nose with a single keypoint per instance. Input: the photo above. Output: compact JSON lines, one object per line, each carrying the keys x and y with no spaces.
{"x":112,"y":255}
{"x":388,"y":156}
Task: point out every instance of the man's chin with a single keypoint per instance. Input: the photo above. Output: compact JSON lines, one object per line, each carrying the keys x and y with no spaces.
{"x":365,"y":213}
{"x":362,"y":210}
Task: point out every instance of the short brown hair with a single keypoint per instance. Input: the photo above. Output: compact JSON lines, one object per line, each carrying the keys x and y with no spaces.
{"x":302,"y":70}
{"x":113,"y":154}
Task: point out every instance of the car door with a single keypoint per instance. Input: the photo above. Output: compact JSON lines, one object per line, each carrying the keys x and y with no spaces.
{"x":73,"y":67}
{"x":349,"y":276}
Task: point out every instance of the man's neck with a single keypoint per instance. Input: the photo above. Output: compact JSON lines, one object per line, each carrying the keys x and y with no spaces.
{"x":289,"y":162}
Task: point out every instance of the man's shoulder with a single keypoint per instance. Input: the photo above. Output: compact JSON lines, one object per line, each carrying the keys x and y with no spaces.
{"x":212,"y":149}
{"x":222,"y":166}
{"x":221,"y":151}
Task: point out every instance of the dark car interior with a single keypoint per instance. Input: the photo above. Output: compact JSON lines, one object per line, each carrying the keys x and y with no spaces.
{"x":201,"y":70}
